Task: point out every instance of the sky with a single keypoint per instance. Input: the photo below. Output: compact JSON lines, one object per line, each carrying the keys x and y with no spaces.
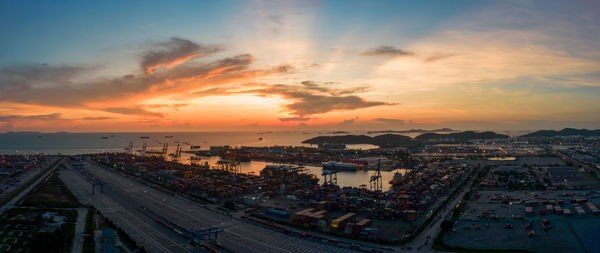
{"x":121,"y":66}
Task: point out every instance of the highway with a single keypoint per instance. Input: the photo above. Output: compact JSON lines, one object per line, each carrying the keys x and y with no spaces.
{"x":51,"y":160}
{"x":423,"y":242}
{"x":125,"y":214}
{"x":79,"y":230}
{"x":239,"y":236}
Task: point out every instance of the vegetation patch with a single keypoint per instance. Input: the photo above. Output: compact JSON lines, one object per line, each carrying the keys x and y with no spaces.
{"x":50,"y":193}
{"x":89,"y":244}
{"x":37,"y":230}
{"x":26,"y":185}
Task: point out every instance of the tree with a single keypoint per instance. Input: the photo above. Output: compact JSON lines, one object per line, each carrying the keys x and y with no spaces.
{"x":446,"y":225}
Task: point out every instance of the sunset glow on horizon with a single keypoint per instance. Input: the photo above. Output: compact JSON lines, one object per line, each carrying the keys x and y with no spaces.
{"x":298,"y":65}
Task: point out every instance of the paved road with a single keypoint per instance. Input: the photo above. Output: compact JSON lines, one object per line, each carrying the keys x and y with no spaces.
{"x":239,"y":236}
{"x":434,"y":227}
{"x":25,"y":176}
{"x":77,"y":246}
{"x":19,"y":196}
{"x":126,"y":214}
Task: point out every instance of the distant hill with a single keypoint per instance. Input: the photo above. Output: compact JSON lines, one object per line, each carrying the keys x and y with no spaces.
{"x":386,"y":140}
{"x":393,"y":140}
{"x":564,"y":132}
{"x":458,"y":137}
{"x":411,"y":131}
{"x":342,"y":139}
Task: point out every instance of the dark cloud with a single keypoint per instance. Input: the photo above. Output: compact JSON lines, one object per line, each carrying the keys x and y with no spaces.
{"x":308,"y":104}
{"x":221,"y":67}
{"x":347,"y":122}
{"x":307,"y":98}
{"x":134,"y":111}
{"x":283,"y":68}
{"x":97,"y":118}
{"x":176,"y":49}
{"x":313,"y":98}
{"x":51,"y":116}
{"x":385,"y":50}
{"x":294,"y":119}
{"x":439,"y":56}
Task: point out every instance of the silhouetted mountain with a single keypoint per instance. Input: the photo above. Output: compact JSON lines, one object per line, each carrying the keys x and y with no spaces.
{"x":386,"y":140}
{"x":392,"y":140}
{"x":564,"y":132}
{"x":342,"y":139}
{"x":411,"y":131}
{"x":458,"y":137}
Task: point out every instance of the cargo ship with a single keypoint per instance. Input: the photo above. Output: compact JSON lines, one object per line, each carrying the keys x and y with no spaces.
{"x":338,"y":166}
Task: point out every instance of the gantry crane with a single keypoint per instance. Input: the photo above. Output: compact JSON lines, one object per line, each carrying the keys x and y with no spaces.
{"x":376,"y":182}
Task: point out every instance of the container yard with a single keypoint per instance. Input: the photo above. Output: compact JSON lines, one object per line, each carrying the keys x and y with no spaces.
{"x":569,"y":219}
{"x":290,"y":194}
{"x":363,"y":214}
{"x":298,"y":188}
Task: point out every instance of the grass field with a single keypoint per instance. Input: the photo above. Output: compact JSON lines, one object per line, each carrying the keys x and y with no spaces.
{"x":50,"y":193}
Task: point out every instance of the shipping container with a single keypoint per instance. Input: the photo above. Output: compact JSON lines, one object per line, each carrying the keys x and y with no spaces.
{"x":340,"y":222}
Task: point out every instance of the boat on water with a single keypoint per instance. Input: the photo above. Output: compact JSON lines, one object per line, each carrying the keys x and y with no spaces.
{"x":104,"y":137}
{"x":260,"y":138}
{"x":144,"y":137}
{"x":195,"y":147}
{"x":168,"y":136}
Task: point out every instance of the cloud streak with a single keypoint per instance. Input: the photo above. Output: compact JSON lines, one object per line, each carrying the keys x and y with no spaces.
{"x":385,"y":50}
{"x":9,"y":122}
{"x":288,"y":119}
{"x":390,"y":121}
{"x":173,"y":52}
{"x":97,"y":118}
{"x":307,"y":98}
{"x":134,"y":111}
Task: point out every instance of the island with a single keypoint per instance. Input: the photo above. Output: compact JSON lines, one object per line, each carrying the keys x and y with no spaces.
{"x":394,"y":140}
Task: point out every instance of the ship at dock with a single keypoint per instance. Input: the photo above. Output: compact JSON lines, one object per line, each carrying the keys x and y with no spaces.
{"x":340,"y":166}
{"x":288,"y":172}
